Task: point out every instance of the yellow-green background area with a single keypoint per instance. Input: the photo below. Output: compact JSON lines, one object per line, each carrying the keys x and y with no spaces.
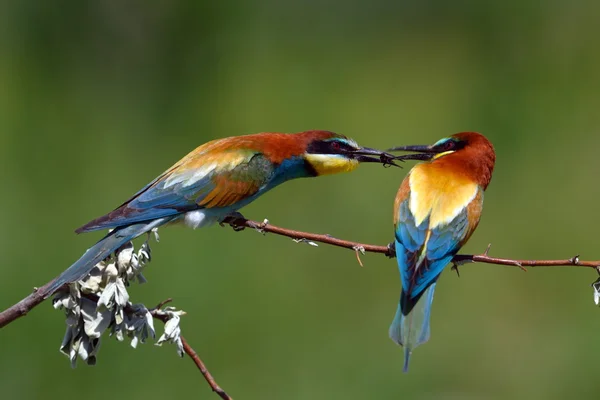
{"x":99,"y":97}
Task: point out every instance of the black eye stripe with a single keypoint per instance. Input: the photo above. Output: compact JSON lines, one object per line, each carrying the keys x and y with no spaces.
{"x":450,"y":145}
{"x":329,"y":147}
{"x":339,"y":145}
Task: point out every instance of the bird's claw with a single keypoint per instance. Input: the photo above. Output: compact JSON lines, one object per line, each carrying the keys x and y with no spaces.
{"x":236,"y":220}
{"x":458,"y":263}
{"x":455,"y":268}
{"x":391,"y":250}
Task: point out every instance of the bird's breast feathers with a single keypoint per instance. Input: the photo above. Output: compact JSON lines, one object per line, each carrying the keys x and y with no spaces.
{"x":441,"y":196}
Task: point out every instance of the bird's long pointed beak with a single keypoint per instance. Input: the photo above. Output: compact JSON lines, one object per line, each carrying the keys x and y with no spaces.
{"x":422,"y":152}
{"x":416,"y":148}
{"x":366,"y":154}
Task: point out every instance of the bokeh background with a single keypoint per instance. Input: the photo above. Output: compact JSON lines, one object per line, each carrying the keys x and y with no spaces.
{"x":97,"y":98}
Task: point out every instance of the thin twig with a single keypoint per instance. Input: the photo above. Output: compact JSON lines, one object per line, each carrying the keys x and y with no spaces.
{"x":203,"y":370}
{"x":189,"y":350}
{"x":389,"y":250}
{"x":266,"y":227}
{"x":162,"y":304}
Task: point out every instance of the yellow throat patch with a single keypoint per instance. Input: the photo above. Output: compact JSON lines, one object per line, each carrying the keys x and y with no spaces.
{"x":326,"y":164}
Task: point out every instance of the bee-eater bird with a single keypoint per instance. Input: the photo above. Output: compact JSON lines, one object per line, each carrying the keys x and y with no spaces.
{"x":217,"y":179}
{"x":437,"y":208}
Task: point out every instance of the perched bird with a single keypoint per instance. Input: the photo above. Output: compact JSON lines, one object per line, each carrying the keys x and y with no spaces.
{"x":217,"y":179}
{"x":437,"y":208}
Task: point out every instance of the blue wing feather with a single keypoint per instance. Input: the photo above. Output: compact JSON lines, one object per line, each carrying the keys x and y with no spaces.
{"x":155,"y":201}
{"x":422,"y":254}
{"x":168,"y":195}
{"x":442,"y":244}
{"x":177,"y":196}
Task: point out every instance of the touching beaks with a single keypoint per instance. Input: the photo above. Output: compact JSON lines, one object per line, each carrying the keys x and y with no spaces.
{"x":366,"y":154}
{"x":422,"y":152}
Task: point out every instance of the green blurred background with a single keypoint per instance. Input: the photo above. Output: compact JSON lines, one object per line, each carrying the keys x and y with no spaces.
{"x":97,"y":98}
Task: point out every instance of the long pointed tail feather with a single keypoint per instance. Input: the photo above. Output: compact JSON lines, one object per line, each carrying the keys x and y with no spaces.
{"x":101,"y":250}
{"x":412,"y":329}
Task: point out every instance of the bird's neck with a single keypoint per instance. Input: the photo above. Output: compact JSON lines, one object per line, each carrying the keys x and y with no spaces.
{"x":291,"y":168}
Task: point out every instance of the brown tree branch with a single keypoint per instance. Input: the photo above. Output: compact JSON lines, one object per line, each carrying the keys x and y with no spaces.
{"x":238,"y":223}
{"x":28,"y":303}
{"x":189,"y":350}
{"x":299,"y":236}
{"x":24,"y":306}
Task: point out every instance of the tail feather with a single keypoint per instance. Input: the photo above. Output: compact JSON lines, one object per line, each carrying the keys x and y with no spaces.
{"x":412,"y":329}
{"x":101,"y":250}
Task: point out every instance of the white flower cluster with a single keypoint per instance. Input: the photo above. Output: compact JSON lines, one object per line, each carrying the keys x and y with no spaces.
{"x":172,"y":332}
{"x":596,"y":286}
{"x":100,"y":302}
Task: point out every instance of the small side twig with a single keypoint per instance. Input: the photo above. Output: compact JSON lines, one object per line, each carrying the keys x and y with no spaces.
{"x":359,"y":250}
{"x":203,"y":370}
{"x":189,"y":350}
{"x":161,"y":305}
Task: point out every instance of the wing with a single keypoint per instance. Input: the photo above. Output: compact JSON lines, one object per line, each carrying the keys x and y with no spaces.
{"x":206,"y":178}
{"x":422,"y":250}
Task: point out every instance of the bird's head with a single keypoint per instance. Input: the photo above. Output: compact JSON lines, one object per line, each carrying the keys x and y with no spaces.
{"x":470,"y":152}
{"x":331,"y":153}
{"x":460,"y":144}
